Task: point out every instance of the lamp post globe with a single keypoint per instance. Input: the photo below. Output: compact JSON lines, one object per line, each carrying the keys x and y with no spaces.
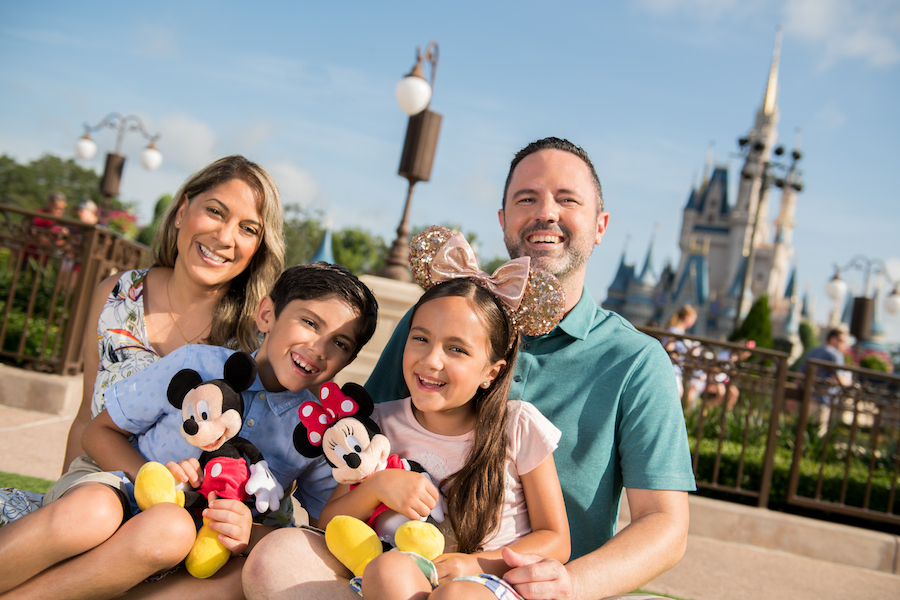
{"x":836,"y":288}
{"x":892,"y":304}
{"x":151,"y":158}
{"x":85,"y":147}
{"x":413,"y":94}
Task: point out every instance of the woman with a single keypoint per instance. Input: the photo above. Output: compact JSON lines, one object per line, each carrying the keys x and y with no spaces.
{"x":218,"y":250}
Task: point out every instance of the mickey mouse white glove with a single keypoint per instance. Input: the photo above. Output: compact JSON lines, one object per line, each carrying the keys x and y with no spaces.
{"x":263,"y":485}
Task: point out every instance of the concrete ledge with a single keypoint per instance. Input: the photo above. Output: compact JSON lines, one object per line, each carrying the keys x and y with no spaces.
{"x":41,"y":392}
{"x":821,"y":540}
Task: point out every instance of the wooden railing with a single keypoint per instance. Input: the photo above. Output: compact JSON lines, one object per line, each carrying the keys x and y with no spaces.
{"x":760,"y":432}
{"x":49,"y":268}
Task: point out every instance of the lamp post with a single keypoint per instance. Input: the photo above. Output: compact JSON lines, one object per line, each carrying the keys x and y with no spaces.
{"x":792,"y":178}
{"x":863,"y":306}
{"x":414,"y":97}
{"x":86,"y":148}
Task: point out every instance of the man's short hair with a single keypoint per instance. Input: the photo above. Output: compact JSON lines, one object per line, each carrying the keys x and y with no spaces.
{"x":322,"y":280}
{"x":833,"y":333}
{"x":554,"y":143}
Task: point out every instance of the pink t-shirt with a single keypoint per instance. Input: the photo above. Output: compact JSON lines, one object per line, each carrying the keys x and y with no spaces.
{"x":532,"y":438}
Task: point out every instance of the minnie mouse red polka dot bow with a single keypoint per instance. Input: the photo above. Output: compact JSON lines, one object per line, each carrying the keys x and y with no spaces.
{"x":335,"y":406}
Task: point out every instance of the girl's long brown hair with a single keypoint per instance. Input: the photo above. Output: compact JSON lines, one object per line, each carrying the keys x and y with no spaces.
{"x":475,"y":494}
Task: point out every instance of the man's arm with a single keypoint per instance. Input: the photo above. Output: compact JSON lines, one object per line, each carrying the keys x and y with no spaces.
{"x":652,"y":543}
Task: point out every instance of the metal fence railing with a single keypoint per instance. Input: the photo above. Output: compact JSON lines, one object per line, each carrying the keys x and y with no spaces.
{"x":761,"y":432}
{"x":49,"y":268}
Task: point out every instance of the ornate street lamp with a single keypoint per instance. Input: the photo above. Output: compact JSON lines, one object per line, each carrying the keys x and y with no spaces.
{"x":86,"y":148}
{"x":863,"y":306}
{"x":414,"y":96}
{"x":792,"y":177}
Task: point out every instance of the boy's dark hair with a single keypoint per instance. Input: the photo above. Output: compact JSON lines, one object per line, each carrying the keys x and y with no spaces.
{"x":321,"y":280}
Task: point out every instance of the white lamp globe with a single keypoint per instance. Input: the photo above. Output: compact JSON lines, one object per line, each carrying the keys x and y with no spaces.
{"x":151,"y":158}
{"x":85,"y":148}
{"x":836,"y":288}
{"x":413,"y":94}
{"x":892,"y":304}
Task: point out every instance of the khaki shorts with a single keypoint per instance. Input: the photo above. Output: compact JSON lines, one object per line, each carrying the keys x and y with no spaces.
{"x":84,"y":470}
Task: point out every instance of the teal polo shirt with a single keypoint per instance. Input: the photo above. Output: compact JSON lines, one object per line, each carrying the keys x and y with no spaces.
{"x":610,"y":390}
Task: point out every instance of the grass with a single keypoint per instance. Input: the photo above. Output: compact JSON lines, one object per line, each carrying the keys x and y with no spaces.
{"x":24,"y":482}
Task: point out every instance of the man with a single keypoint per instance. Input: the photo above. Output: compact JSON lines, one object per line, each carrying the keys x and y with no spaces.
{"x":832,"y":351}
{"x":607,"y":387}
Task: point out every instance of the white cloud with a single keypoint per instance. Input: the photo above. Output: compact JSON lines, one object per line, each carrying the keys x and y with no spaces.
{"x":248,"y":139}
{"x":831,"y":117}
{"x":705,"y":11}
{"x":848,"y":30}
{"x":187,"y":142}
{"x":156,"y":42}
{"x":297,"y":186}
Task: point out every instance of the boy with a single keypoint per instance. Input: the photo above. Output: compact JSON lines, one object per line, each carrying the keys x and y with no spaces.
{"x":315,"y":321}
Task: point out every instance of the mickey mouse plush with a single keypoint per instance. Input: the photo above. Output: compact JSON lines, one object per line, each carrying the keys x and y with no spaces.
{"x":213,"y":416}
{"x":341,"y":428}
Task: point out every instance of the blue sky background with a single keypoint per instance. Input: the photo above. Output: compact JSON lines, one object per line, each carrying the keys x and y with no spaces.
{"x":645,"y":86}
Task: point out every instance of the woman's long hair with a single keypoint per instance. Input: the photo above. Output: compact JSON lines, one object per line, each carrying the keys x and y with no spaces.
{"x":475,"y":493}
{"x":234,"y":322}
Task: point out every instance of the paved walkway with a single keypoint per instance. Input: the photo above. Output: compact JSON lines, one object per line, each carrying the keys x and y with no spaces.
{"x":712,"y":569}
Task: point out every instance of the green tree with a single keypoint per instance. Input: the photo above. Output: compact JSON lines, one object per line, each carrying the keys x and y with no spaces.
{"x":147,"y":234}
{"x":757,"y":326}
{"x":359,"y":251}
{"x":808,"y":339}
{"x":29,"y":185}
{"x":302,"y":233}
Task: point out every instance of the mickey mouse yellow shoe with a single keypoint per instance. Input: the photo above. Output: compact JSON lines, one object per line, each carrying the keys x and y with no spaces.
{"x":155,"y":484}
{"x":208,"y":555}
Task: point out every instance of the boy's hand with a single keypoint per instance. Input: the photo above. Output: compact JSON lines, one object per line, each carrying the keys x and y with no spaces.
{"x":264,"y":486}
{"x":187,"y":471}
{"x":406,"y":492}
{"x":453,"y":565}
{"x":535,"y":577}
{"x":232,"y":520}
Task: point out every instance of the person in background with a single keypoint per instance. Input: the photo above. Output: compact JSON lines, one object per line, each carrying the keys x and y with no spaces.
{"x":87,"y":212}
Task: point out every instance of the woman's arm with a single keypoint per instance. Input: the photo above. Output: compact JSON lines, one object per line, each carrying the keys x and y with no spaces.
{"x":108,"y":445}
{"x":549,"y":535}
{"x":410,"y":494}
{"x":91,"y":357}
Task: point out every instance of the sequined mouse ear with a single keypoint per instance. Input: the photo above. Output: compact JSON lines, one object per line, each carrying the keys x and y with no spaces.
{"x":543,"y":304}
{"x":422,"y":250}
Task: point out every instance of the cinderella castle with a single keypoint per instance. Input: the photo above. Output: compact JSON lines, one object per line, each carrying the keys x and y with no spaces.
{"x":730,"y":250}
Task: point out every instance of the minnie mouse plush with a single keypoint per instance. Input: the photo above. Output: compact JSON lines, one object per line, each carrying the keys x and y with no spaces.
{"x":232,"y":467}
{"x":341,"y":428}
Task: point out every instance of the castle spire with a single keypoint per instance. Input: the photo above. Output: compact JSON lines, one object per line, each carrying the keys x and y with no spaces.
{"x":771,"y":96}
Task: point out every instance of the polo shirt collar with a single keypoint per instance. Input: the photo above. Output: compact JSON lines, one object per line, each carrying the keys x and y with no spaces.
{"x":580,"y":320}
{"x":280,"y":402}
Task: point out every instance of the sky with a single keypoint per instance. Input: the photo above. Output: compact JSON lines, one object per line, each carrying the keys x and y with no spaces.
{"x":648,"y":87}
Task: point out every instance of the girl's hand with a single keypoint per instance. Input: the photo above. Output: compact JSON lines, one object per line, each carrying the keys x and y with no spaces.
{"x":187,"y":471}
{"x":232,"y":520}
{"x":408,"y":493}
{"x":453,"y":565}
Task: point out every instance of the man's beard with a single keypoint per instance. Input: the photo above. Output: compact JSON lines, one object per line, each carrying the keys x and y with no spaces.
{"x":560,"y":262}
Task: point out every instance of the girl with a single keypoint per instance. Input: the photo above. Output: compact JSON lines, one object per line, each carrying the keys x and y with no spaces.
{"x":492,"y":456}
{"x":218,"y":251}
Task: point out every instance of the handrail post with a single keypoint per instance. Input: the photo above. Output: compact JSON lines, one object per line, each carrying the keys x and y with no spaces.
{"x":772,"y":441}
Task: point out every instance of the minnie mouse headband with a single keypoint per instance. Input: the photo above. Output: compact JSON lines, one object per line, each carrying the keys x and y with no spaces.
{"x":532,"y":298}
